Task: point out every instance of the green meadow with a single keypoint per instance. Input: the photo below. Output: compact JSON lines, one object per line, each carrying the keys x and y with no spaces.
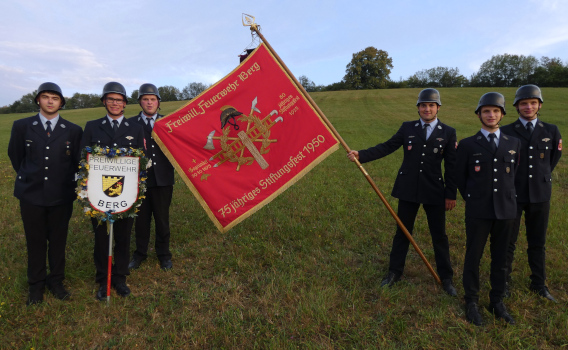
{"x":304,"y":271}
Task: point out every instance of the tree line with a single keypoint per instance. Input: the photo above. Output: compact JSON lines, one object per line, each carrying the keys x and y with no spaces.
{"x":167,"y":93}
{"x":370,"y":69}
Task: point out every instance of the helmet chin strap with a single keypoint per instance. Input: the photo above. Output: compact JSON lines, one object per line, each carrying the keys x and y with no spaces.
{"x":498,"y":123}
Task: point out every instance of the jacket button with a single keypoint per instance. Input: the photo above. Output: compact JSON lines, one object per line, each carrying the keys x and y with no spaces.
{"x":495,"y":190}
{"x":45,"y":178}
{"x":46,"y":147}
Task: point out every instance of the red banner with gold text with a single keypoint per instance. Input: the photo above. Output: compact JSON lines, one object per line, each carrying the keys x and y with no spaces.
{"x":245,"y":140}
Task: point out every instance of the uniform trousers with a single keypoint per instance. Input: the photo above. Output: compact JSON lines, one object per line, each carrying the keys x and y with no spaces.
{"x":121,"y":251}
{"x":477,"y":232}
{"x":436,"y":215}
{"x":46,"y":236}
{"x":156,"y":204}
{"x":536,"y":223}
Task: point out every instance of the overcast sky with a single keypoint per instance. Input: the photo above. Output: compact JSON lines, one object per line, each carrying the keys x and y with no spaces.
{"x":81,"y":45}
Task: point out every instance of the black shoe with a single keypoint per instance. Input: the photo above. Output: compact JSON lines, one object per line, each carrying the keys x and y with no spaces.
{"x":166,"y":264}
{"x":121,"y":289}
{"x":35,"y":296}
{"x":135,"y":263}
{"x":472,"y":314}
{"x":449,"y":288}
{"x":500,"y":311}
{"x":507,"y":292}
{"x":102,"y":293}
{"x":59,"y":291}
{"x":390,"y":279}
{"x":543,"y":292}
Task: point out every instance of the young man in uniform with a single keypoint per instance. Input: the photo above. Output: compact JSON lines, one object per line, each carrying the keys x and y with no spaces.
{"x":44,"y":151}
{"x":426,"y":142}
{"x":541,"y":148}
{"x":159,"y":186}
{"x":485,"y":175}
{"x":113,"y":130}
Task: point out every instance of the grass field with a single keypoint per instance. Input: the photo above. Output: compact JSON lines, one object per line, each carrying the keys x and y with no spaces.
{"x":303,"y":272}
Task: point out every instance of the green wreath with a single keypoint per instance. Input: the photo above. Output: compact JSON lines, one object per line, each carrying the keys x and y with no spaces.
{"x":83,"y":175}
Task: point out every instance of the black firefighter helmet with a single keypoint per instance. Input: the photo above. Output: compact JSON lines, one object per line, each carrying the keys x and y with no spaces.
{"x":429,"y":95}
{"x":50,"y":87}
{"x":491,"y":99}
{"x":148,"y":89}
{"x":116,"y":88}
{"x":527,"y":91}
{"x":228,"y":115}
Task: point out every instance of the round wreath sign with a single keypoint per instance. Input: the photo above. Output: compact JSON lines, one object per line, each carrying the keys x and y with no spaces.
{"x":83,"y":175}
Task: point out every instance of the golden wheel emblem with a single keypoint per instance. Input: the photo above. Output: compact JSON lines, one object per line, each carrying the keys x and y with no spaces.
{"x":233,"y":148}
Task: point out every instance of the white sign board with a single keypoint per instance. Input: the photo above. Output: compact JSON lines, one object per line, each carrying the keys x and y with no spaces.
{"x":113,"y":182}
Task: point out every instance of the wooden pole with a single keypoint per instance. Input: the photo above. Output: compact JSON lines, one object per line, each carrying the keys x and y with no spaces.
{"x":254,"y":27}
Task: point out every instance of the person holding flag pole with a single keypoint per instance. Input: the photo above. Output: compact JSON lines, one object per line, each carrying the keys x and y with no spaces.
{"x":112,"y":131}
{"x":255,"y":29}
{"x":427,"y":142}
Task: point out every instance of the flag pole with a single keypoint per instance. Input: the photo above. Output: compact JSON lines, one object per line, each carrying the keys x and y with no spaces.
{"x":254,"y":28}
{"x":109,"y":268}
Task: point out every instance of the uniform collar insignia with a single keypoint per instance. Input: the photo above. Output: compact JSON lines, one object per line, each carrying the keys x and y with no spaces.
{"x":479,"y":137}
{"x":504,"y":136}
{"x":540,"y":124}
{"x":104,"y":121}
{"x":517,"y":125}
{"x":63,"y":126}
{"x":416,"y":124}
{"x":512,"y":152}
{"x":34,"y":123}
{"x":129,"y":138}
{"x":440,"y":127}
{"x":546,"y":139}
{"x":126,"y":123}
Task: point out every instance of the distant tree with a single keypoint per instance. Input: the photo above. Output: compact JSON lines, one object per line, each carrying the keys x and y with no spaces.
{"x":133,"y":99}
{"x":551,"y":72}
{"x":78,"y":101}
{"x":437,"y":77}
{"x":169,"y":93}
{"x":341,"y":85}
{"x":192,"y":90}
{"x":505,"y":70}
{"x":25,"y":104}
{"x":368,"y":69}
{"x":308,"y":85}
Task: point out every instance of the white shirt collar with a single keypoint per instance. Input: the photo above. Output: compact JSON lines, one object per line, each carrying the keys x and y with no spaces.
{"x":53,"y":121}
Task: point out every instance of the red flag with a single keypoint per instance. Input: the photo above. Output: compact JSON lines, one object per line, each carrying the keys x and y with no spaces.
{"x":245,"y":140}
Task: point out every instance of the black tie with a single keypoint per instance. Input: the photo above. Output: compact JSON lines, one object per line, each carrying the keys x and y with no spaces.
{"x":530,"y":128}
{"x":426,"y":131}
{"x":48,"y":123}
{"x":149,"y":124}
{"x":115,"y":126}
{"x":492,"y":144}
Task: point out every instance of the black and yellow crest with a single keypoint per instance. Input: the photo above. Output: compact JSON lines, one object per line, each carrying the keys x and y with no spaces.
{"x":112,"y":185}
